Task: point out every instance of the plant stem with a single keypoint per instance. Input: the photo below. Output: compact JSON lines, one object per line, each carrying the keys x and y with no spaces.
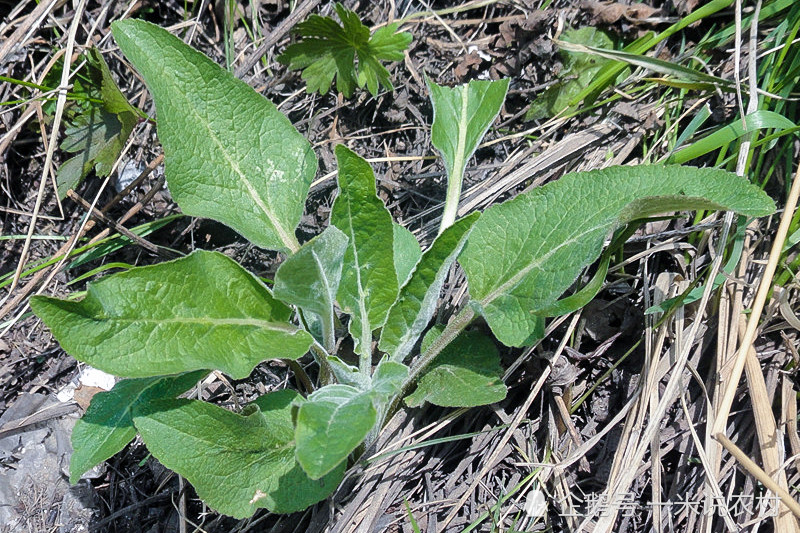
{"x":456,"y":174}
{"x":451,"y":331}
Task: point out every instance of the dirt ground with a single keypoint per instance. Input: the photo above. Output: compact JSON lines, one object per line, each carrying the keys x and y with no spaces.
{"x":500,"y":454}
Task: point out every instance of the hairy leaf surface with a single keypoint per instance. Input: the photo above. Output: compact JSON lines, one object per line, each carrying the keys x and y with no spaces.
{"x":230,"y":154}
{"x":203,"y":311}
{"x":331,"y":423}
{"x":310,"y":277}
{"x":237,"y":462}
{"x":107,"y":426}
{"x":369,"y":282}
{"x":523,"y":254}
{"x":416,"y":304}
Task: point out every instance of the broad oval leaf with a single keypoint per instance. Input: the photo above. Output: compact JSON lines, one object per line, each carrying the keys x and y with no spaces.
{"x":203,"y":311}
{"x":466,"y":373}
{"x":231,"y":156}
{"x":369,"y":282}
{"x":331,"y":423}
{"x":237,"y":463}
{"x":410,"y":314}
{"x":523,"y":254}
{"x":107,"y":426}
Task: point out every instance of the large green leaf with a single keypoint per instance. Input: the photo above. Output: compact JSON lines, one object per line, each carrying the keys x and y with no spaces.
{"x":203,"y":311}
{"x":107,"y":425}
{"x":310,"y":277}
{"x":415,"y":305}
{"x":461,"y":116}
{"x":331,"y":423}
{"x":465,"y":374}
{"x":369,"y":282}
{"x":230,"y":154}
{"x":523,"y":254}
{"x":237,"y":463}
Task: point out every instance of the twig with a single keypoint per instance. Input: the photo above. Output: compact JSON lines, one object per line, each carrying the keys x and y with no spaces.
{"x":276,"y":35}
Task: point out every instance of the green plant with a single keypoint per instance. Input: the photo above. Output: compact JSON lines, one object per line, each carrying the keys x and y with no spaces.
{"x":232,"y":156}
{"x":328,"y":50}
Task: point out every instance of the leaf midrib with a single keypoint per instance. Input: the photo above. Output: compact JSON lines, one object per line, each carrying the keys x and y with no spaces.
{"x":279,"y":229}
{"x":262,"y":324}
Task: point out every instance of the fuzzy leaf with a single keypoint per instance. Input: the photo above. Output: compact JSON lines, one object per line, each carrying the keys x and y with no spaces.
{"x":406,"y":253}
{"x":203,"y":311}
{"x":465,"y":374}
{"x":310,"y":277}
{"x":237,"y":463}
{"x":100,"y":132}
{"x":331,"y":423}
{"x":414,"y":308}
{"x":369,"y":282}
{"x":230,"y":154}
{"x":107,"y":426}
{"x":523,"y":254}
{"x":328,"y":50}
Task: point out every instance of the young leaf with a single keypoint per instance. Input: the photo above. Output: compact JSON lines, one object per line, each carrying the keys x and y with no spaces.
{"x":98,"y":134}
{"x":406,"y":253}
{"x":465,"y":374}
{"x":230,"y":154}
{"x":107,"y":426}
{"x":523,"y":254}
{"x":310,"y":278}
{"x":461,"y":116}
{"x":410,"y":314}
{"x":369,"y":282}
{"x":331,"y":423}
{"x":237,"y":463}
{"x":203,"y":311}
{"x":388,"y":380}
{"x":328,"y":50}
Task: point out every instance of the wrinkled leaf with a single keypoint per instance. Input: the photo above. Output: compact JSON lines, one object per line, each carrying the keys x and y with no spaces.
{"x":406,"y":253}
{"x":523,"y":254}
{"x":369,"y":283}
{"x":230,"y":154}
{"x":107,"y":426}
{"x":328,"y":50}
{"x":203,"y":311}
{"x":465,"y":374}
{"x":416,"y":304}
{"x":237,"y":463}
{"x":331,"y":423}
{"x":461,"y":117}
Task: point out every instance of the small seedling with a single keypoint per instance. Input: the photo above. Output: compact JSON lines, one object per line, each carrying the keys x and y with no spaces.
{"x":232,"y":156}
{"x":328,"y":50}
